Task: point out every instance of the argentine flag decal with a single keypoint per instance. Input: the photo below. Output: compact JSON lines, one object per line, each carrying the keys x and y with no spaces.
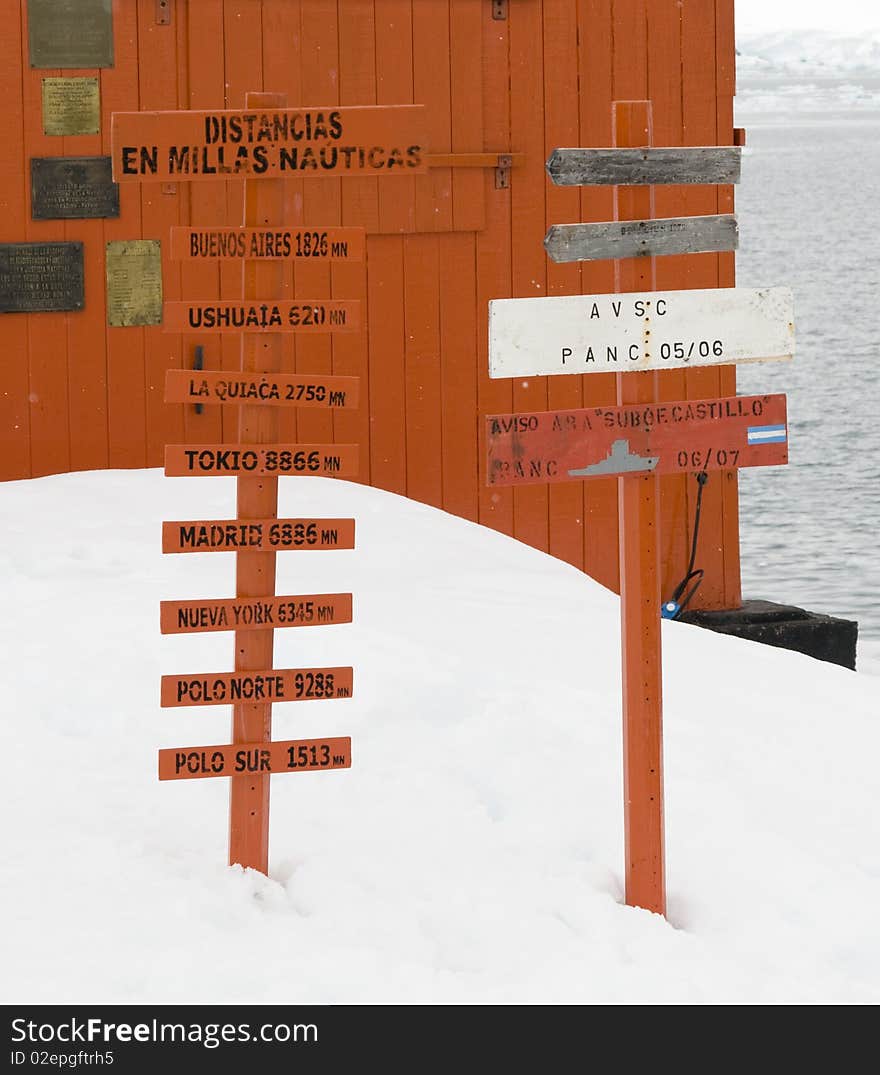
{"x":767,"y":435}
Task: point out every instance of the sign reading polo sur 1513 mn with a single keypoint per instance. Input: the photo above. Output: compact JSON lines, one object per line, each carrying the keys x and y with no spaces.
{"x":659,"y":438}
{"x":287,"y":143}
{"x":625,"y":333}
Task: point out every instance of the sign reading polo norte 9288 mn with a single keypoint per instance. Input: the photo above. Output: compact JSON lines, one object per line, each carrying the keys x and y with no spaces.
{"x":625,"y":333}
{"x":280,"y":143}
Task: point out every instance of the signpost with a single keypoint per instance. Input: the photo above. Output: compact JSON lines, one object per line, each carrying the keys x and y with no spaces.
{"x":638,"y":329}
{"x":264,"y":143}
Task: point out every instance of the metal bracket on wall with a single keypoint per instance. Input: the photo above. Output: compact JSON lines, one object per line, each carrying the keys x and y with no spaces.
{"x":499,"y":9}
{"x":502,"y":171}
{"x":163,"y":12}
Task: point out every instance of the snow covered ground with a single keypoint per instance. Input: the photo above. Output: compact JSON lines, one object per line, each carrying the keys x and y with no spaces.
{"x":473,"y":853}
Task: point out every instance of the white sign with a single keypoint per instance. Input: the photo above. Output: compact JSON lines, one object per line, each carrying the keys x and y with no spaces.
{"x":652,"y":330}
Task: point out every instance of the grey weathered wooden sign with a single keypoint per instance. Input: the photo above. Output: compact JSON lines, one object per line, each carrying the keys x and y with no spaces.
{"x":648,"y":165}
{"x":641,"y":238}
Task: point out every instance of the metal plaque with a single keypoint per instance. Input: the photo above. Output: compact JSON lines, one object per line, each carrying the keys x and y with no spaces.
{"x":70,"y":33}
{"x":72,"y":188}
{"x":134,"y":282}
{"x":37,"y":277}
{"x":71,"y":106}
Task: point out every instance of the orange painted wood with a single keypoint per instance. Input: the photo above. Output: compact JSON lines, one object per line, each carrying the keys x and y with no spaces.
{"x":431,"y":85}
{"x":254,"y":614}
{"x":267,"y":535}
{"x":393,"y":28}
{"x":262,"y":313}
{"x":639,"y":544}
{"x":527,"y":207}
{"x":322,"y":244}
{"x":466,"y":85}
{"x":421,"y":270}
{"x":308,"y":143}
{"x":672,"y":437}
{"x":259,"y":759}
{"x":14,"y":399}
{"x":561,"y":128}
{"x":261,"y":459}
{"x":275,"y":685}
{"x":268,"y":389}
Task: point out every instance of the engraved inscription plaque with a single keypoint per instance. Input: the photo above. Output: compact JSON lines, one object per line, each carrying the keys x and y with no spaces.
{"x":134,"y":282}
{"x":72,"y":188}
{"x":36,"y":277}
{"x":71,"y":106}
{"x":70,"y":33}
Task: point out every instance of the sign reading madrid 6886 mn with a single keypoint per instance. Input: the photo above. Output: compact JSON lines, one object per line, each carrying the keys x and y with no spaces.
{"x":654,"y":330}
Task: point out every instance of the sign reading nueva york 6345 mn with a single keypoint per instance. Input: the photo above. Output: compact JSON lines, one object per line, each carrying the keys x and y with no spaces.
{"x":654,"y":330}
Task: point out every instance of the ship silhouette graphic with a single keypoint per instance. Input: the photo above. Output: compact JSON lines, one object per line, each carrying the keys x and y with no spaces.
{"x":620,"y":460}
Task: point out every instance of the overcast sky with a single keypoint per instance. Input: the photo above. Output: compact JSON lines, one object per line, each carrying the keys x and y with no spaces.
{"x":842,"y":15}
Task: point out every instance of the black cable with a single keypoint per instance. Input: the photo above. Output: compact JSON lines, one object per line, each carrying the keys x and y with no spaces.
{"x":677,"y":602}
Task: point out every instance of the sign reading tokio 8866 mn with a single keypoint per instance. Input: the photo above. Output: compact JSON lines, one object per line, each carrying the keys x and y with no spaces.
{"x":623,"y":333}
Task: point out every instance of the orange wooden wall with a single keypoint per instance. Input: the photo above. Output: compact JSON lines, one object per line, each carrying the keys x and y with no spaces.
{"x":78,"y":395}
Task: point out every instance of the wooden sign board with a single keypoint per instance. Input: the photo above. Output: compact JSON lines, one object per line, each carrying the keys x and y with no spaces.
{"x":212,"y":460}
{"x":259,"y":244}
{"x":272,"y":389}
{"x":642,"y":166}
{"x":641,"y":238}
{"x":640,"y":438}
{"x":291,"y":143}
{"x":654,"y":330}
{"x":257,"y":535}
{"x":262,"y":315}
{"x":247,"y":759}
{"x":276,"y":685}
{"x":254,"y":613}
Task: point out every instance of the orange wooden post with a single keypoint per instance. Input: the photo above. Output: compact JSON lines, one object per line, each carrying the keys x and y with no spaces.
{"x":257,"y":499}
{"x":639,"y":539}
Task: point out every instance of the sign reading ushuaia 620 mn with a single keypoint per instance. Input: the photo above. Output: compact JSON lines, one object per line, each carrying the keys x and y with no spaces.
{"x":625,"y":333}
{"x":289,"y":143}
{"x":660,"y":438}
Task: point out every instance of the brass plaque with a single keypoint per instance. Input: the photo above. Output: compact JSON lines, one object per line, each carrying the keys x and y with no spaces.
{"x":36,"y":277}
{"x":71,"y":106}
{"x":70,"y":33}
{"x":72,"y":188}
{"x":134,"y":282}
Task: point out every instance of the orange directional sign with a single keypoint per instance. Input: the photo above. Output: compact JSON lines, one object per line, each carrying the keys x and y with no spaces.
{"x":663,"y":438}
{"x":279,"y":143}
{"x":257,"y":535}
{"x":262,"y":315}
{"x":243,"y":759}
{"x":328,"y":460}
{"x":277,"y":685}
{"x":273,"y":389}
{"x":254,"y":613}
{"x":231,"y":244}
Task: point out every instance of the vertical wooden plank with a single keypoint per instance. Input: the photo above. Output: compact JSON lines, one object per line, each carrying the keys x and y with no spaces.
{"x":203,"y":86}
{"x":699,"y":128}
{"x":160,"y":210}
{"x":529,"y":275}
{"x":126,"y":375}
{"x":665,"y":94}
{"x":321,"y":202}
{"x":282,"y":73}
{"x":421,"y":299}
{"x":387,"y":332}
{"x":360,"y":206}
{"x":15,"y":428}
{"x":595,"y":51}
{"x":47,"y":332}
{"x":639,"y":496}
{"x":725,"y":65}
{"x":493,"y":257}
{"x":561,"y":128}
{"x":468,"y":204}
{"x":431,"y":87}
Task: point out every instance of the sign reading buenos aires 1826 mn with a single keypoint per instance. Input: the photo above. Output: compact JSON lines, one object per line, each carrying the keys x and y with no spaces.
{"x":291,"y":143}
